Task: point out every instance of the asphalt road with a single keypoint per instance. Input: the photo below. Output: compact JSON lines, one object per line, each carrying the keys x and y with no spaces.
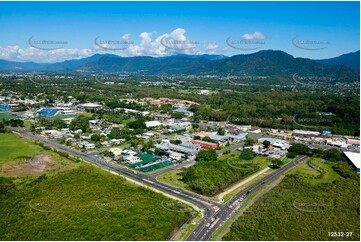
{"x":209,"y":225}
{"x":209,"y":206}
{"x":216,"y":214}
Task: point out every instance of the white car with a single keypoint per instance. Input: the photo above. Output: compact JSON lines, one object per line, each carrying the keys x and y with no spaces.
{"x":208,"y":224}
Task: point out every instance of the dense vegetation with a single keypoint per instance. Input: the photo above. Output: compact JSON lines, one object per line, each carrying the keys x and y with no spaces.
{"x":298,"y":209}
{"x":272,"y":102}
{"x":79,"y":203}
{"x":85,"y":204}
{"x":209,"y":177}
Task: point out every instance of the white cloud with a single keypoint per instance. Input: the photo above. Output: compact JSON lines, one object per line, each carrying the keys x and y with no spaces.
{"x":126,"y":36}
{"x":148,"y":44}
{"x":211,"y":46}
{"x":255,"y":35}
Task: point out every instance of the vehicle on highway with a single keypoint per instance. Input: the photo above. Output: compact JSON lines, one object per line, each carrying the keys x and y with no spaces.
{"x":248,"y":192}
{"x":208,"y":224}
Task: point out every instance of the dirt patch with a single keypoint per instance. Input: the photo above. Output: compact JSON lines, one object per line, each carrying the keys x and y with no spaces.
{"x":37,"y":165}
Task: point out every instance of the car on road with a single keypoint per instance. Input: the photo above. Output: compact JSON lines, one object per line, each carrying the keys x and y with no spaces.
{"x":208,"y":224}
{"x":248,"y":192}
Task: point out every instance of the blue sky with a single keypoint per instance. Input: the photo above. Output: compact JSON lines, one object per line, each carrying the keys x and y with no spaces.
{"x":148,"y":28}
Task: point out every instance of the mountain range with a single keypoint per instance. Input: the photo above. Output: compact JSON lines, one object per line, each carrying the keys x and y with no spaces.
{"x":262,"y":63}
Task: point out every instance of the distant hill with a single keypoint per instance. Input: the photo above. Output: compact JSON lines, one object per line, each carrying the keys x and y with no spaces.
{"x":262,"y":63}
{"x":18,"y":66}
{"x":351,"y":60}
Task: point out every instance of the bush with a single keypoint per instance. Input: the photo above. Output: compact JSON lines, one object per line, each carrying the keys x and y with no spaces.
{"x":247,"y":154}
{"x":291,"y":155}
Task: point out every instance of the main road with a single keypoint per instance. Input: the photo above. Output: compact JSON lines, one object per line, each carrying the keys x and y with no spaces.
{"x":208,"y":226}
{"x":209,"y":206}
{"x":216,"y":214}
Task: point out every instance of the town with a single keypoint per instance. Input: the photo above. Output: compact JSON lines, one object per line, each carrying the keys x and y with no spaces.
{"x":148,"y":140}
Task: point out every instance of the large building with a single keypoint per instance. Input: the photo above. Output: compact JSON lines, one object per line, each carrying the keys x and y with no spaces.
{"x":305,"y":133}
{"x":205,"y":144}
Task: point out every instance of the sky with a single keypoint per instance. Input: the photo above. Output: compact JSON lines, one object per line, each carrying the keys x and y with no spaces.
{"x":57,"y":31}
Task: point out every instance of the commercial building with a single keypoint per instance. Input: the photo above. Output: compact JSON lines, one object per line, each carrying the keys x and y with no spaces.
{"x":205,"y":144}
{"x":305,"y":133}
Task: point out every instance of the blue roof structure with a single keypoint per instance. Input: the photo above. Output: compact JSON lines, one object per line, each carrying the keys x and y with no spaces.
{"x":47,"y":111}
{"x":4,"y":107}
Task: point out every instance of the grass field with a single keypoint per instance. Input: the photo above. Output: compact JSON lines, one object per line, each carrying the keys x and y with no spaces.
{"x":6,"y":116}
{"x":310,"y":202}
{"x":81,"y":203}
{"x":13,"y":147}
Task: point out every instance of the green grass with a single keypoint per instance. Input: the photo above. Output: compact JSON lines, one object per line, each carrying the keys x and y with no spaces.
{"x":13,"y":147}
{"x":316,"y":170}
{"x":173,"y":178}
{"x":6,"y":116}
{"x":304,"y":207}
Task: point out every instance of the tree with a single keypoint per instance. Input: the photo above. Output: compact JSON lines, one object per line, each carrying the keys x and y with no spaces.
{"x":250,"y":140}
{"x":197,"y":137}
{"x":95,"y":137}
{"x":207,"y":155}
{"x":291,"y":155}
{"x":247,"y":154}
{"x":332,"y":155}
{"x":137,"y":124}
{"x":115,"y":133}
{"x":80,"y":122}
{"x":266,"y":143}
{"x":176,"y":142}
{"x":300,"y":149}
{"x":221,"y":131}
{"x":277,"y":163}
{"x":108,"y":153}
{"x":2,"y":128}
{"x":148,"y":145}
{"x":207,"y":139}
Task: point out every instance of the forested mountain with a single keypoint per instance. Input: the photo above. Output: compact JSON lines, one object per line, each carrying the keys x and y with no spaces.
{"x":262,"y":63}
{"x":351,"y":60}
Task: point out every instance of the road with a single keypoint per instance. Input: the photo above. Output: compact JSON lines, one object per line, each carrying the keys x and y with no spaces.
{"x":209,"y":206}
{"x":219,"y":212}
{"x":209,"y":225}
